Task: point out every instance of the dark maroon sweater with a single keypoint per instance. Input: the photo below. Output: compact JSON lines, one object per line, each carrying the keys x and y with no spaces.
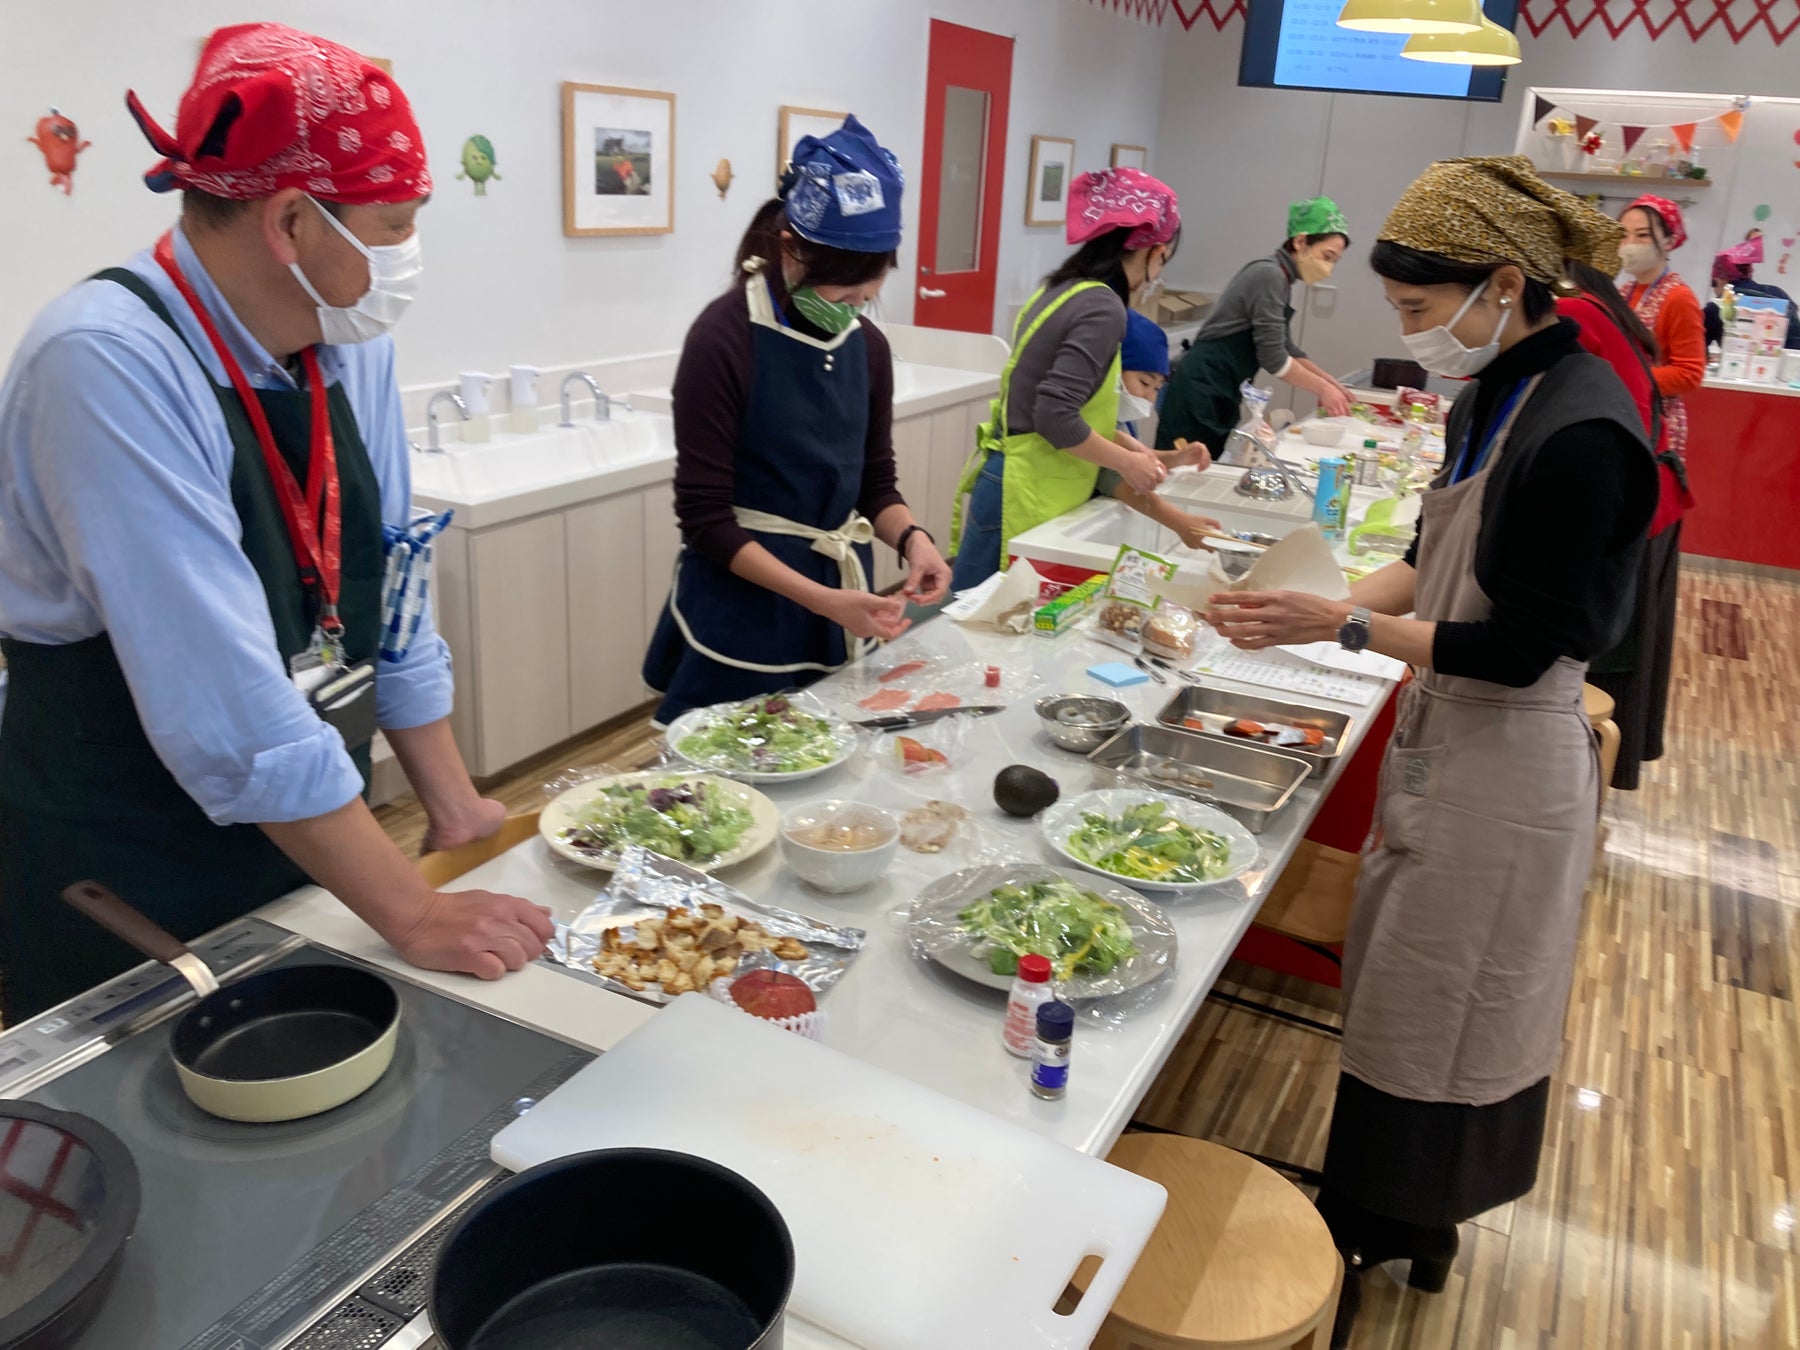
{"x":712,"y":387}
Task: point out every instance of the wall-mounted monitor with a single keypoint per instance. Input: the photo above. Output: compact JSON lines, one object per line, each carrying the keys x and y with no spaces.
{"x":1296,"y":44}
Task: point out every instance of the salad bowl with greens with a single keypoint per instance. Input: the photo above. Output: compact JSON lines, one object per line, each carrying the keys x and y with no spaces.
{"x":1149,"y":840}
{"x":699,"y":819}
{"x":1100,"y":938}
{"x":776,"y":738}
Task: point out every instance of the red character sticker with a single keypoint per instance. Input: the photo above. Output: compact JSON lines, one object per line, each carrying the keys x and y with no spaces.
{"x":60,"y":142}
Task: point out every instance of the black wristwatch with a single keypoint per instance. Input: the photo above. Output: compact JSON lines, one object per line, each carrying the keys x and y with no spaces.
{"x":1354,"y":635}
{"x":906,"y":538}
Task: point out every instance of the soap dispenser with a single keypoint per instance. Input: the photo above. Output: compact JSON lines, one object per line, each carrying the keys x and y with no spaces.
{"x":524,"y":418}
{"x":475,"y":398}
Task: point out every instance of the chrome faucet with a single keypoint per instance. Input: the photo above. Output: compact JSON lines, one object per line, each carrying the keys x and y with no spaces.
{"x":431,"y":418}
{"x":602,"y":404}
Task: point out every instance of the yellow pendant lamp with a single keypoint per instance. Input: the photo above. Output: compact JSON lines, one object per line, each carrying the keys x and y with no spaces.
{"x":1411,"y":16}
{"x":1491,"y":45}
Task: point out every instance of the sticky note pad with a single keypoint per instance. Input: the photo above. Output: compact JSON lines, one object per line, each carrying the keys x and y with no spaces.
{"x":1118,"y":674}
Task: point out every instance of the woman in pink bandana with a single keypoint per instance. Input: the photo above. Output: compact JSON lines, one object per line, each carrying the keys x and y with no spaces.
{"x":1053,"y":431}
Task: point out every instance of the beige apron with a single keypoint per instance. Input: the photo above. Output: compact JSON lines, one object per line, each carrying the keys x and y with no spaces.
{"x":1461,"y":946}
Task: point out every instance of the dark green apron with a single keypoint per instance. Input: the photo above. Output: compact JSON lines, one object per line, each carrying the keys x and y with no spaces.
{"x":1203,"y":402}
{"x":83,"y":794}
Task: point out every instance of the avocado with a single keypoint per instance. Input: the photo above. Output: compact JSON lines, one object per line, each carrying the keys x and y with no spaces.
{"x":1020,"y":790}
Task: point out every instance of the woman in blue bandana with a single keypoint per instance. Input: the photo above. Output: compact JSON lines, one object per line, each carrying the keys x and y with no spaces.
{"x":784,"y":455}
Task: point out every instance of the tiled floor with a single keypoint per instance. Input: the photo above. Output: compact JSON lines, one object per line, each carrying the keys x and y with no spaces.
{"x":1664,"y":1213}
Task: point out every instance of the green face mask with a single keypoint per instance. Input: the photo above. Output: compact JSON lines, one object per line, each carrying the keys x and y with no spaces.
{"x":830,"y":316}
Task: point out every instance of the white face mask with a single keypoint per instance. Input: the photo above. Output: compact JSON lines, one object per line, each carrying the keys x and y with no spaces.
{"x":1639,"y":258}
{"x":394,"y":272}
{"x":1442,"y":353}
{"x":1132,"y":408}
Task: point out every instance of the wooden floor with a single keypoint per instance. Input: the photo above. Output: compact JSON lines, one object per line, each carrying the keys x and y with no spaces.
{"x":1664,"y":1213}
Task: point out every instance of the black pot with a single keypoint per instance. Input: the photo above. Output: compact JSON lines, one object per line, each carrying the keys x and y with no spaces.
{"x":619,"y":1249}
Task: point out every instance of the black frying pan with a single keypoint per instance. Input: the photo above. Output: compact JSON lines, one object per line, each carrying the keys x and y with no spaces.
{"x":69,"y":1196}
{"x":275,"y":1045}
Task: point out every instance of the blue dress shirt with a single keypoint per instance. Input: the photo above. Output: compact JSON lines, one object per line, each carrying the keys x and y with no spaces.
{"x":116,"y":516}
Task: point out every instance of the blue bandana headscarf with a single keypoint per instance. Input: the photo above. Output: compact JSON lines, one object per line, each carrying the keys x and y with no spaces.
{"x":843,"y":191}
{"x":1146,"y":346}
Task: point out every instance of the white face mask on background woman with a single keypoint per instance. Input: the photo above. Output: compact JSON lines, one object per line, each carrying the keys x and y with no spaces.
{"x":1639,"y":258}
{"x":1441,"y":352}
{"x":394,"y":272}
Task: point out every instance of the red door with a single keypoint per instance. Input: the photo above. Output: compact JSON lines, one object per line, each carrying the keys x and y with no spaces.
{"x":967,"y":86}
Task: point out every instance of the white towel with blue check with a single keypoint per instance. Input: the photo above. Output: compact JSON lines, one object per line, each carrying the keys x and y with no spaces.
{"x":405,"y":586}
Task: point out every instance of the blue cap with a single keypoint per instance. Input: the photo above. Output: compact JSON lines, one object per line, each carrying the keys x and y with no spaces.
{"x":843,"y":191}
{"x":1055,"y":1020}
{"x":1146,"y":346}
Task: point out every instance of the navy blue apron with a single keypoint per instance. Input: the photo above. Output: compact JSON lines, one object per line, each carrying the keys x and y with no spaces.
{"x":800,"y":455}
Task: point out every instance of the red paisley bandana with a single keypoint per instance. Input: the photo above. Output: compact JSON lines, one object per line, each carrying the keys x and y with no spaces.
{"x":1111,"y":198}
{"x":1671,"y":217}
{"x":272,"y":108}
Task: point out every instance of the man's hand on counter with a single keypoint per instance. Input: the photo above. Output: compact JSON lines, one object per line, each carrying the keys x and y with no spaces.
{"x":481,"y":818}
{"x":479,"y":933}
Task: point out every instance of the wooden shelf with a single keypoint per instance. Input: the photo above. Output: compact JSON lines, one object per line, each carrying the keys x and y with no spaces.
{"x":1582,"y":176}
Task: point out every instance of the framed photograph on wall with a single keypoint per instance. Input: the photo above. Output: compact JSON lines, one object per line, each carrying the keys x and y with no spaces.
{"x":618,"y":160}
{"x":799,"y":122}
{"x":1130,"y":157}
{"x":1052,"y":166}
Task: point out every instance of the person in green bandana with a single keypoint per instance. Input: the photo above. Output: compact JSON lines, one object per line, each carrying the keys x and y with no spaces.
{"x":1248,"y":331}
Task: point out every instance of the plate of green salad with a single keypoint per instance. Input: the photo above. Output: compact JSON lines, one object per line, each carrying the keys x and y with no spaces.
{"x":777,"y":738}
{"x":699,"y":819}
{"x":1149,"y":840}
{"x":1100,"y":938}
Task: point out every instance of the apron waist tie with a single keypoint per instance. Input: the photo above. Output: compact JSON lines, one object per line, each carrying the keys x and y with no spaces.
{"x":838,"y":545}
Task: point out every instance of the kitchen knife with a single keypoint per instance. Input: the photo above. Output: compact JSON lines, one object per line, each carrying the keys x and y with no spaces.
{"x":900,"y":721}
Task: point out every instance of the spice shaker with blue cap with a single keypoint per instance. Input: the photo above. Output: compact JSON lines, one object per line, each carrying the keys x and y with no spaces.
{"x":784,"y":456}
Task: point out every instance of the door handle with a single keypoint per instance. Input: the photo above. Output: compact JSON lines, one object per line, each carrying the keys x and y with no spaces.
{"x":926,"y":293}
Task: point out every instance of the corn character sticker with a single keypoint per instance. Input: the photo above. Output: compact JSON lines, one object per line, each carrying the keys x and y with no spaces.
{"x":478,"y":163}
{"x":60,"y":143}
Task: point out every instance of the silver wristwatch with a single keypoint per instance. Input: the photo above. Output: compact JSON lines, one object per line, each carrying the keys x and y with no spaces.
{"x":1354,"y":635}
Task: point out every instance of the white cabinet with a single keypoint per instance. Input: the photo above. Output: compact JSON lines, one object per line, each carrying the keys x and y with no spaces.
{"x":662,"y":545}
{"x":912,"y":467}
{"x":519,"y":600}
{"x":605,"y":547}
{"x":929,"y":453}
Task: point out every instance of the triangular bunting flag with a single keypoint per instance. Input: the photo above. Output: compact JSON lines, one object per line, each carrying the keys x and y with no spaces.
{"x":1631,"y":135}
{"x":1684,"y":135}
{"x":1541,"y":108}
{"x":1583,"y":125}
{"x":1733,"y":122}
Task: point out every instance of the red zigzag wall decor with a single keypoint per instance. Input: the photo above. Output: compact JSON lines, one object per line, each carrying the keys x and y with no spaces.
{"x":1737,"y":19}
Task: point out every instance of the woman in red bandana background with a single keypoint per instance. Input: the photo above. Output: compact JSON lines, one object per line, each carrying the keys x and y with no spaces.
{"x":205,"y":459}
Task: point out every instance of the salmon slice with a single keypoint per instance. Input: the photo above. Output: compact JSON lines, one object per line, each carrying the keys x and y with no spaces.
{"x":938,"y":700}
{"x":886,"y":700}
{"x":901,"y":671}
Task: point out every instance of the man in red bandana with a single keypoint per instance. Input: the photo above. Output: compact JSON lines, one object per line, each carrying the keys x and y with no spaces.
{"x":206,"y":465}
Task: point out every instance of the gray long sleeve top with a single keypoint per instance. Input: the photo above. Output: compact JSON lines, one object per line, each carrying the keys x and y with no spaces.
{"x":1064,"y":364}
{"x":1256,"y":299}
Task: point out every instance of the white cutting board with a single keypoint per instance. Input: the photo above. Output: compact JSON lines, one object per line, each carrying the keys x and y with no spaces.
{"x":919,"y":1223}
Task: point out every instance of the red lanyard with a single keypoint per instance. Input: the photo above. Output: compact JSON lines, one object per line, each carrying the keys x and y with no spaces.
{"x":316,"y":538}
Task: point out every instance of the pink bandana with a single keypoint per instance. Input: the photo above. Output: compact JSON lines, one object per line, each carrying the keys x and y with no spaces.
{"x":1671,"y":217}
{"x":1111,"y":198}
{"x":272,"y":108}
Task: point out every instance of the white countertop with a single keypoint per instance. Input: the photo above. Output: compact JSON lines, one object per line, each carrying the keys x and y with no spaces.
{"x":918,"y":389}
{"x":890,"y":1008}
{"x":1747,"y":387}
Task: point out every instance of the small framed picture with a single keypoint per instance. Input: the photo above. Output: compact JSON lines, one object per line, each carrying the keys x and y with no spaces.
{"x":799,"y":122}
{"x":1052,"y":166}
{"x":618,"y":160}
{"x":1130,"y":157}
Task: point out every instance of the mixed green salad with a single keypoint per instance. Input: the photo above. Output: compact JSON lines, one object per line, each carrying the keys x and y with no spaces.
{"x":1146,"y":843}
{"x":689,"y":820}
{"x":1080,"y":932}
{"x":765,"y":735}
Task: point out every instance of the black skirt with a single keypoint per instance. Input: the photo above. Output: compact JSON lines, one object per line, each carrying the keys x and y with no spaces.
{"x":1636,"y":672}
{"x":1433,"y":1164}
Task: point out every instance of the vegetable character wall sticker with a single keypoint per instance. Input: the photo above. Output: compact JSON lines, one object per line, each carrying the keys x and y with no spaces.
{"x":478,"y":163}
{"x":60,"y":142}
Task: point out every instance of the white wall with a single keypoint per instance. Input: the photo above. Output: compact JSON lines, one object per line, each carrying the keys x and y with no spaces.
{"x":1239,"y":156}
{"x":503,"y":284}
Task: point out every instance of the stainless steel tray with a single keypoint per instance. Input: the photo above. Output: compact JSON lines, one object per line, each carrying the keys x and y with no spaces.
{"x":1212,"y":709}
{"x":1251,"y":782}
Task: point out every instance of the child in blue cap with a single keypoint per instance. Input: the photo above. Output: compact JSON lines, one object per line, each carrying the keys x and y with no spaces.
{"x":1143,"y":369}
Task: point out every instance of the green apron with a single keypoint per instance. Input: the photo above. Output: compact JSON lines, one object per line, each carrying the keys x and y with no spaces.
{"x":83,"y":794}
{"x":1202,"y":402}
{"x":1041,"y":482}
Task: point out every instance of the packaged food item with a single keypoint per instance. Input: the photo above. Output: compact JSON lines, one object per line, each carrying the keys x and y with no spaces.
{"x":1132,"y":591}
{"x":1056,"y":615}
{"x":1331,"y":497}
{"x":1170,"y":632}
{"x":774,"y":996}
{"x":932,"y":828}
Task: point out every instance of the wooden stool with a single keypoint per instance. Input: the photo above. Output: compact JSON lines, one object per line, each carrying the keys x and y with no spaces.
{"x":1241,"y":1258}
{"x":440,"y":869}
{"x":1599,"y":706}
